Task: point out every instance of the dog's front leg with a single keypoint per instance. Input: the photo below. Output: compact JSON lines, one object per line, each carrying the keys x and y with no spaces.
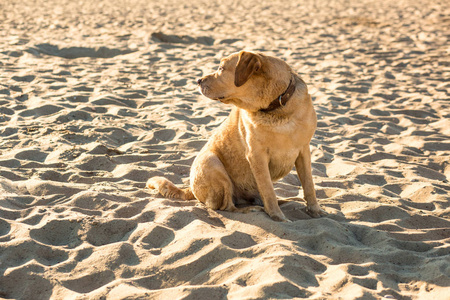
{"x":303,"y":166}
{"x":259,"y":165}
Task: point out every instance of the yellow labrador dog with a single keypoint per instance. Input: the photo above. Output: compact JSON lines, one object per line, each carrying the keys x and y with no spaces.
{"x":266,"y":134}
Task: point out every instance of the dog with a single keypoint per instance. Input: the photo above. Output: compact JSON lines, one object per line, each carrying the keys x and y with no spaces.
{"x":267,"y":132}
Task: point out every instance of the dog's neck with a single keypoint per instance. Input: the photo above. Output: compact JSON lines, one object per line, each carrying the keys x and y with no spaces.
{"x":281,"y":100}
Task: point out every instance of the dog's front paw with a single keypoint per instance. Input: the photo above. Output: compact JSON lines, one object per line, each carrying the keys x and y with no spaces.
{"x":315,"y":211}
{"x":280,"y":218}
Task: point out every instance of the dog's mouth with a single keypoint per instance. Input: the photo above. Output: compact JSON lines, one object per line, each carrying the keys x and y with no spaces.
{"x":205,"y":91}
{"x":223,"y":100}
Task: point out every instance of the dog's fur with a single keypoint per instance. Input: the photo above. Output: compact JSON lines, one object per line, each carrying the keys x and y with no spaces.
{"x":252,"y":148}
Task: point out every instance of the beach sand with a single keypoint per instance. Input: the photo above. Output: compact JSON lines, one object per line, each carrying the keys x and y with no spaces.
{"x":98,"y":96}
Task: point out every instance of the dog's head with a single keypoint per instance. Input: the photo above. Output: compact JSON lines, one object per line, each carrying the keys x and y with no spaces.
{"x":248,"y":80}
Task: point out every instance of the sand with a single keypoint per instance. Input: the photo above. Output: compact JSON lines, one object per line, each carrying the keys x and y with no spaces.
{"x":98,"y":96}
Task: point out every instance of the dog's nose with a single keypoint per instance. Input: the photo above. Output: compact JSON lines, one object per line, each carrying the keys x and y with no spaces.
{"x":199,"y":81}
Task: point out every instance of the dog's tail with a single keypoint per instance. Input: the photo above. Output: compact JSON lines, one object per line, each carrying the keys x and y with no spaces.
{"x":166,"y":188}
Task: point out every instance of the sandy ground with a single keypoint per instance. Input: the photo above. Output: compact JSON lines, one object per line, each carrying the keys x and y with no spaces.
{"x":98,"y":96}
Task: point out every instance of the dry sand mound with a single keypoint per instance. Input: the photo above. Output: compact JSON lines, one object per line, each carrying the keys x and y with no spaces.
{"x":96,"y":97}
{"x":76,"y":52}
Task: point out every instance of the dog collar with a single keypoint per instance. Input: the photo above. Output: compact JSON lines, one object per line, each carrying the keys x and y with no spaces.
{"x":281,"y":100}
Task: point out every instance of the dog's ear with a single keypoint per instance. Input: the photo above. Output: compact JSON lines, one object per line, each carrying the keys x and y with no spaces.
{"x":247,"y":64}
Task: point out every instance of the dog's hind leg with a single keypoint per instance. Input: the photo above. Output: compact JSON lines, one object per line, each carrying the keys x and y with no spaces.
{"x":211,"y":184}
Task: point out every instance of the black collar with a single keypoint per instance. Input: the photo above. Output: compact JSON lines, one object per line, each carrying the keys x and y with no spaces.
{"x":281,"y":100}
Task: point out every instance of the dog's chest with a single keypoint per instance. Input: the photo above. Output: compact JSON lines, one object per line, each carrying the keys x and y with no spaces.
{"x":282,"y":157}
{"x":282,"y":142}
